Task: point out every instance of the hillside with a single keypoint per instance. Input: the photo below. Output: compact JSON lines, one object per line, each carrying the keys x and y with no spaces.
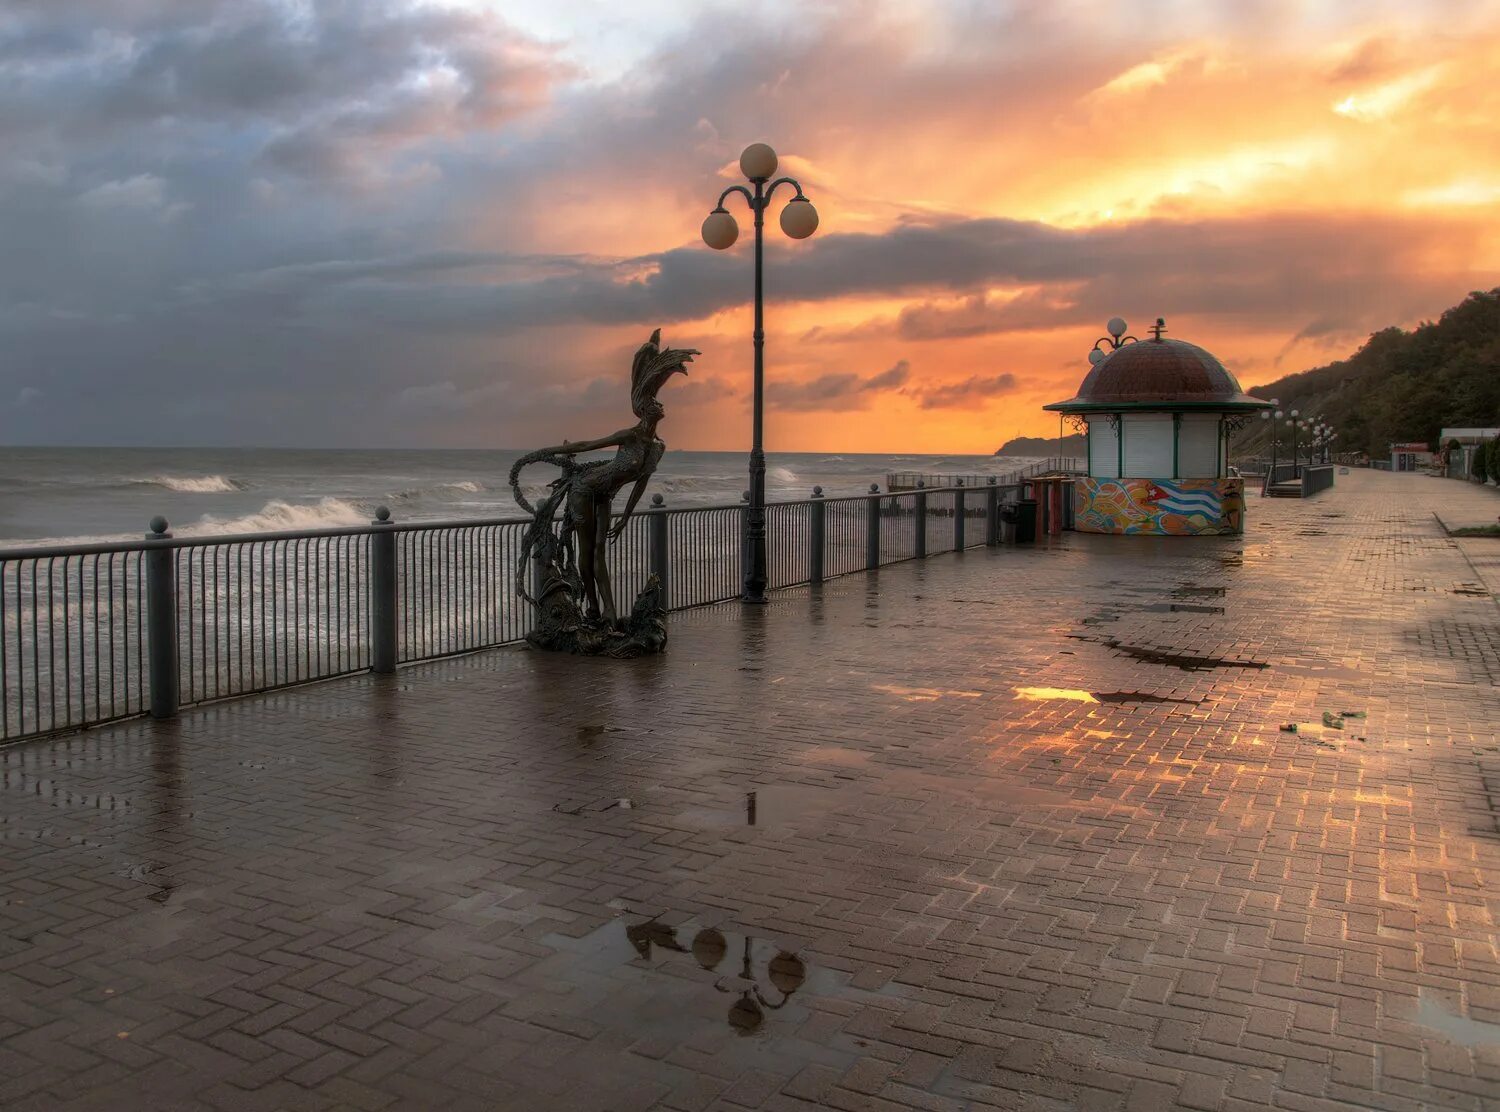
{"x":1043,"y":446}
{"x":1401,"y":386}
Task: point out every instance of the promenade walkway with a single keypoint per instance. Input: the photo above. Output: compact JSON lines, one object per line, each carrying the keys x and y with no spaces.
{"x":1026,"y":833}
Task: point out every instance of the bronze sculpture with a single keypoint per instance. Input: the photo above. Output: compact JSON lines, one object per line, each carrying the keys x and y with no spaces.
{"x":576,"y":603}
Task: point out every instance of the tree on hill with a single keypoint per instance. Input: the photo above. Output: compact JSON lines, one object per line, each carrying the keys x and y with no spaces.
{"x":1402,"y":387}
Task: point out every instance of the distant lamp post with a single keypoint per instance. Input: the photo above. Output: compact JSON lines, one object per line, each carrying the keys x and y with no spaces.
{"x":798,"y":220}
{"x":1271,"y":418}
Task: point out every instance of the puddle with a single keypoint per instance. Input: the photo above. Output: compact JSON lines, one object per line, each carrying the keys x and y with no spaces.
{"x":1041,"y":694}
{"x":1186,"y":661}
{"x":1456,"y":1028}
{"x":922,"y":694}
{"x":765,"y":805}
{"x":833,"y":755}
{"x":1139,"y":697}
{"x":677,"y":980}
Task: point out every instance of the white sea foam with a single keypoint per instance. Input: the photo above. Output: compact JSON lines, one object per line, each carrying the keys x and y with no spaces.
{"x":783,"y":475}
{"x":440,"y":491}
{"x":277,"y":516}
{"x":194,"y":484}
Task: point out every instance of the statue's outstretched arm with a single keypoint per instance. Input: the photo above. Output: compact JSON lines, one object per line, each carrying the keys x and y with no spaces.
{"x":635,"y":496}
{"x":578,"y":447}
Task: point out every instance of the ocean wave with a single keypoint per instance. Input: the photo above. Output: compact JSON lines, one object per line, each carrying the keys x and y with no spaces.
{"x":193,"y":484}
{"x":783,"y":475}
{"x":279,"y":516}
{"x":438,"y":490}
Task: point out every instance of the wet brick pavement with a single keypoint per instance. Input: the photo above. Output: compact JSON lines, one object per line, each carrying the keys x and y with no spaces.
{"x":1026,"y":834}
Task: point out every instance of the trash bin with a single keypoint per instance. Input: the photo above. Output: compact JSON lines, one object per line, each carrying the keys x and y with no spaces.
{"x":1008,"y":523}
{"x":1026,"y":521}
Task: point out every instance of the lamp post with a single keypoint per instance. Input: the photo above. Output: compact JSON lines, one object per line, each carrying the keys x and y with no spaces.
{"x":1266,"y":415}
{"x":798,"y":220}
{"x":1293,"y":423}
{"x":1116,"y":340}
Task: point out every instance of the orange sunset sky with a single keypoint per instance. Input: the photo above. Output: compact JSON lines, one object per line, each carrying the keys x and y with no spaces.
{"x":451,"y":223}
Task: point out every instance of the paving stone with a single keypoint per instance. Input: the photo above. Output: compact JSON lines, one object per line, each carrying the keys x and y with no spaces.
{"x":1036,"y":837}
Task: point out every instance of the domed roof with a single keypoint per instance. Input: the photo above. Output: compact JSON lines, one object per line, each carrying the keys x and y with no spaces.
{"x":1159,"y":374}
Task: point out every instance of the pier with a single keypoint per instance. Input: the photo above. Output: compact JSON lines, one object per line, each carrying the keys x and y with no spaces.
{"x":1005,"y":827}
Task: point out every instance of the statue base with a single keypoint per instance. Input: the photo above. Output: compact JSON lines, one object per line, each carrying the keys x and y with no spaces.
{"x":563,"y":627}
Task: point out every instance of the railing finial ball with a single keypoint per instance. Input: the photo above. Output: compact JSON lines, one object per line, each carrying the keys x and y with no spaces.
{"x":658,"y":500}
{"x":382,"y":513}
{"x":744,"y":496}
{"x":874,"y":488}
{"x":158,"y":524}
{"x":817,"y":492}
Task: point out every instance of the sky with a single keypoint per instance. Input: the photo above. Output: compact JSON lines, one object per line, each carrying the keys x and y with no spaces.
{"x":371,"y":223}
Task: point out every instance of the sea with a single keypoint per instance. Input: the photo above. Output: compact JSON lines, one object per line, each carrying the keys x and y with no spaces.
{"x":84,"y":495}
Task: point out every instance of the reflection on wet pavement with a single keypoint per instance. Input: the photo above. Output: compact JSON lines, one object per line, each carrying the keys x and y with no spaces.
{"x":684,"y":975}
{"x":1041,"y":694}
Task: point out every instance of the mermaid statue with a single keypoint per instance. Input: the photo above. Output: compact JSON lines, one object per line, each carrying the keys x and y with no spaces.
{"x":568,"y":556}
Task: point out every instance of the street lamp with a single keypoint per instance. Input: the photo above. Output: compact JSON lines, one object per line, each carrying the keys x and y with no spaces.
{"x":1267,"y":416}
{"x":1116,"y":339}
{"x":798,"y":220}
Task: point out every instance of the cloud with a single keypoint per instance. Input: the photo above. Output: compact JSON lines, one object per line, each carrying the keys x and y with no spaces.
{"x":428,"y":401}
{"x":311,"y":221}
{"x":328,"y":89}
{"x":842,"y":390}
{"x":143,"y":193}
{"x":701,"y":391}
{"x":974,"y":389}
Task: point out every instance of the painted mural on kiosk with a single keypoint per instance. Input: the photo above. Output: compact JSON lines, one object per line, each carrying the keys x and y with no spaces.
{"x":1160,"y":507}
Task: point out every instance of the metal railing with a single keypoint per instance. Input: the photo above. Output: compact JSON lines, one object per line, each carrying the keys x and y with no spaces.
{"x":94,"y":633}
{"x":916,"y":480}
{"x":1316,"y":478}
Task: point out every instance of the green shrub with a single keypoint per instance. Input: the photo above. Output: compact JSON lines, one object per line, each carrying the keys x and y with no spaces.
{"x":1492,"y":463}
{"x":1479,"y":466}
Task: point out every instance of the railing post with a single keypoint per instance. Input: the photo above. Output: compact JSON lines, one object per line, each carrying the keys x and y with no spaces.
{"x":921,"y":523}
{"x":815,"y":538}
{"x":660,"y":559}
{"x":958,"y":517}
{"x":383,"y":593}
{"x":872,"y":529}
{"x":992,"y":514}
{"x":161,"y":622}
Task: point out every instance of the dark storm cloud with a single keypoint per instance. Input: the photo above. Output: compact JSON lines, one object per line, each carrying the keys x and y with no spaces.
{"x":842,"y":390}
{"x":314,"y":88}
{"x":975,"y":388}
{"x":1359,"y":268}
